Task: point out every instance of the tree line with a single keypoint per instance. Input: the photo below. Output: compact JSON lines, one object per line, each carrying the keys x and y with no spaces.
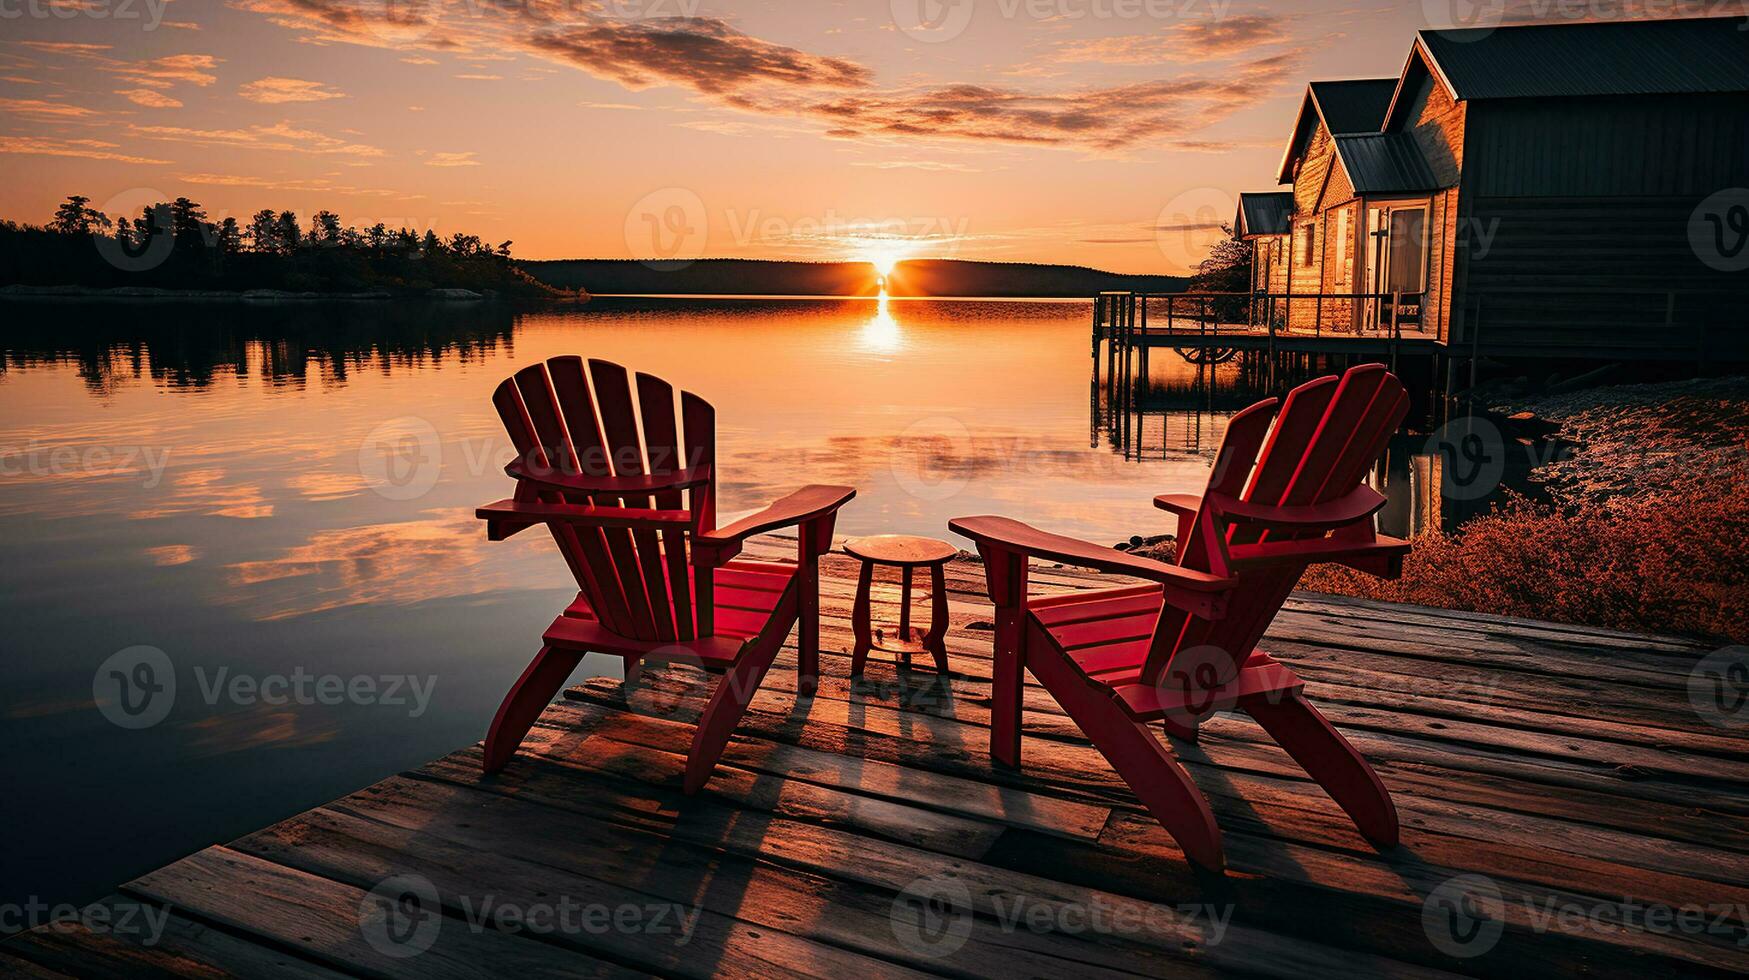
{"x":174,"y":244}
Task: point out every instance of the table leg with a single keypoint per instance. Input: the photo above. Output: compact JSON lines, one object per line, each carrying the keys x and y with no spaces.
{"x":905,"y":616}
{"x":859,"y":620}
{"x":936,"y":641}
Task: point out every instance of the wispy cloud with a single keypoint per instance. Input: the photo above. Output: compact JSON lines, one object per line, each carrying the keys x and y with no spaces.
{"x":273,"y":90}
{"x":84,"y":149}
{"x":40,"y":107}
{"x":150,"y":98}
{"x":450,"y":159}
{"x":281,"y":137}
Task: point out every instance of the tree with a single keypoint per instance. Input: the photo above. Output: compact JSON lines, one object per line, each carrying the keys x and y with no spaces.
{"x":325,"y":228}
{"x":188,"y":223}
{"x":230,"y":237}
{"x":74,"y":218}
{"x":504,"y":250}
{"x":431,"y":244}
{"x":264,"y":232}
{"x":1226,"y":270}
{"x":289,"y":235}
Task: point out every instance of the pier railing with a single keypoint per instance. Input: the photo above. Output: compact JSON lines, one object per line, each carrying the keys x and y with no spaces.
{"x":1126,"y":317}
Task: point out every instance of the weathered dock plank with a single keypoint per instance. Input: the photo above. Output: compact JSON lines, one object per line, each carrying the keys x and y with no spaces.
{"x":865,"y":832}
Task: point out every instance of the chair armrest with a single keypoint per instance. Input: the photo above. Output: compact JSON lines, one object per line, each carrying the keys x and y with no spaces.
{"x":618,"y":486}
{"x":1381,"y":556}
{"x":1185,"y":505}
{"x":809,"y":504}
{"x":1360,"y":503}
{"x":510,"y":517}
{"x":1203,"y":593}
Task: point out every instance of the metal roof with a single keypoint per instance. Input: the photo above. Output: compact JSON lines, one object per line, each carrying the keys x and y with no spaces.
{"x":1645,"y":57}
{"x":1264,"y":214}
{"x":1354,"y":106}
{"x":1344,"y":107}
{"x":1384,"y":163}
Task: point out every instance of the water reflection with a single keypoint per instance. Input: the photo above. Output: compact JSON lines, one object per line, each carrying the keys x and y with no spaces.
{"x":192,"y":345}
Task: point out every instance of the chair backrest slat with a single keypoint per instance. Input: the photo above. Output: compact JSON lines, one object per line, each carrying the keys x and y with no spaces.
{"x":698,"y":422}
{"x":662,"y":442}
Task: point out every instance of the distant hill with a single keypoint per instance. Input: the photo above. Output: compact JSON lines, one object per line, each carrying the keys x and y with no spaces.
{"x":922,"y":277}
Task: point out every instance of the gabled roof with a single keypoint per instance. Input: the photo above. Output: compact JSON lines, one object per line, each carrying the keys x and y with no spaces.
{"x":1264,"y":214}
{"x":1384,"y":163}
{"x":1354,"y":105}
{"x":1633,"y":57}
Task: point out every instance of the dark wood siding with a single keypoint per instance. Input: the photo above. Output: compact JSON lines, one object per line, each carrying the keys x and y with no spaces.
{"x":1577,"y":219}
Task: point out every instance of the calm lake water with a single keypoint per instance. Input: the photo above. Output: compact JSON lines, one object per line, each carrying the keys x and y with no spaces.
{"x":280,"y":500}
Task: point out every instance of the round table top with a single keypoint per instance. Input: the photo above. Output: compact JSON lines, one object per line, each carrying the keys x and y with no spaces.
{"x":900,"y":549}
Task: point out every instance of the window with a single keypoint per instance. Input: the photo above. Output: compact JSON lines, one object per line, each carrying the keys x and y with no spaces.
{"x":1344,"y":248}
{"x":1308,"y":238}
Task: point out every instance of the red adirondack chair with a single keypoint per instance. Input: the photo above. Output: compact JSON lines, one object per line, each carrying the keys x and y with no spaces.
{"x":1281,"y":498}
{"x":635,"y":517}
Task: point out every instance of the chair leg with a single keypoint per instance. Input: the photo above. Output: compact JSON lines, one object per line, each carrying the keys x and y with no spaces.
{"x":1152,"y":774}
{"x":935,"y":641}
{"x":1007,"y":685}
{"x":734,"y":692}
{"x":860,"y":619}
{"x":531,"y":694}
{"x":808,"y":627}
{"x":1332,"y":762}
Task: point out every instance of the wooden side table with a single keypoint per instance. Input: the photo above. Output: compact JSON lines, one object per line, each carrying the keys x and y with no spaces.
{"x":907,"y":554}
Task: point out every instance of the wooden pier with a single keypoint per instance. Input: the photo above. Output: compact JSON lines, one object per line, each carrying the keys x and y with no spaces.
{"x":1566,"y":813}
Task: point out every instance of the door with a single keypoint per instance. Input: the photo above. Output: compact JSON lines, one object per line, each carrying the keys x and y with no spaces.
{"x":1396,"y":262}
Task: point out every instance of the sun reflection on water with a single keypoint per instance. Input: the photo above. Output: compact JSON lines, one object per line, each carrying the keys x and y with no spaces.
{"x":881,"y":333}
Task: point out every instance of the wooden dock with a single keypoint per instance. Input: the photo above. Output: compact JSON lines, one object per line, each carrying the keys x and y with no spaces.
{"x":1566,"y":813}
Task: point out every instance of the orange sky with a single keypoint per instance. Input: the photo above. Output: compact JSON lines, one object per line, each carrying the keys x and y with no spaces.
{"x":1081,"y":131}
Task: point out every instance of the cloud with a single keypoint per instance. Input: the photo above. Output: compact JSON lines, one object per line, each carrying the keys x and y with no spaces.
{"x":1110,"y":118}
{"x":281,"y":137}
{"x":701,"y":53}
{"x":481,"y":78}
{"x":84,"y":149}
{"x":193,"y":69}
{"x":1190,"y":41}
{"x":452,"y":160}
{"x":149,"y":98}
{"x":38,"y":107}
{"x":273,"y":90}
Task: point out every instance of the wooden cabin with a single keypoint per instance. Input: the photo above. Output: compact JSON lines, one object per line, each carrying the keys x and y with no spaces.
{"x":1540,"y":190}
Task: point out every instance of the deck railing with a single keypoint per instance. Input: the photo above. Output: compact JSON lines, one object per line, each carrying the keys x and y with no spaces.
{"x":1123,"y":316}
